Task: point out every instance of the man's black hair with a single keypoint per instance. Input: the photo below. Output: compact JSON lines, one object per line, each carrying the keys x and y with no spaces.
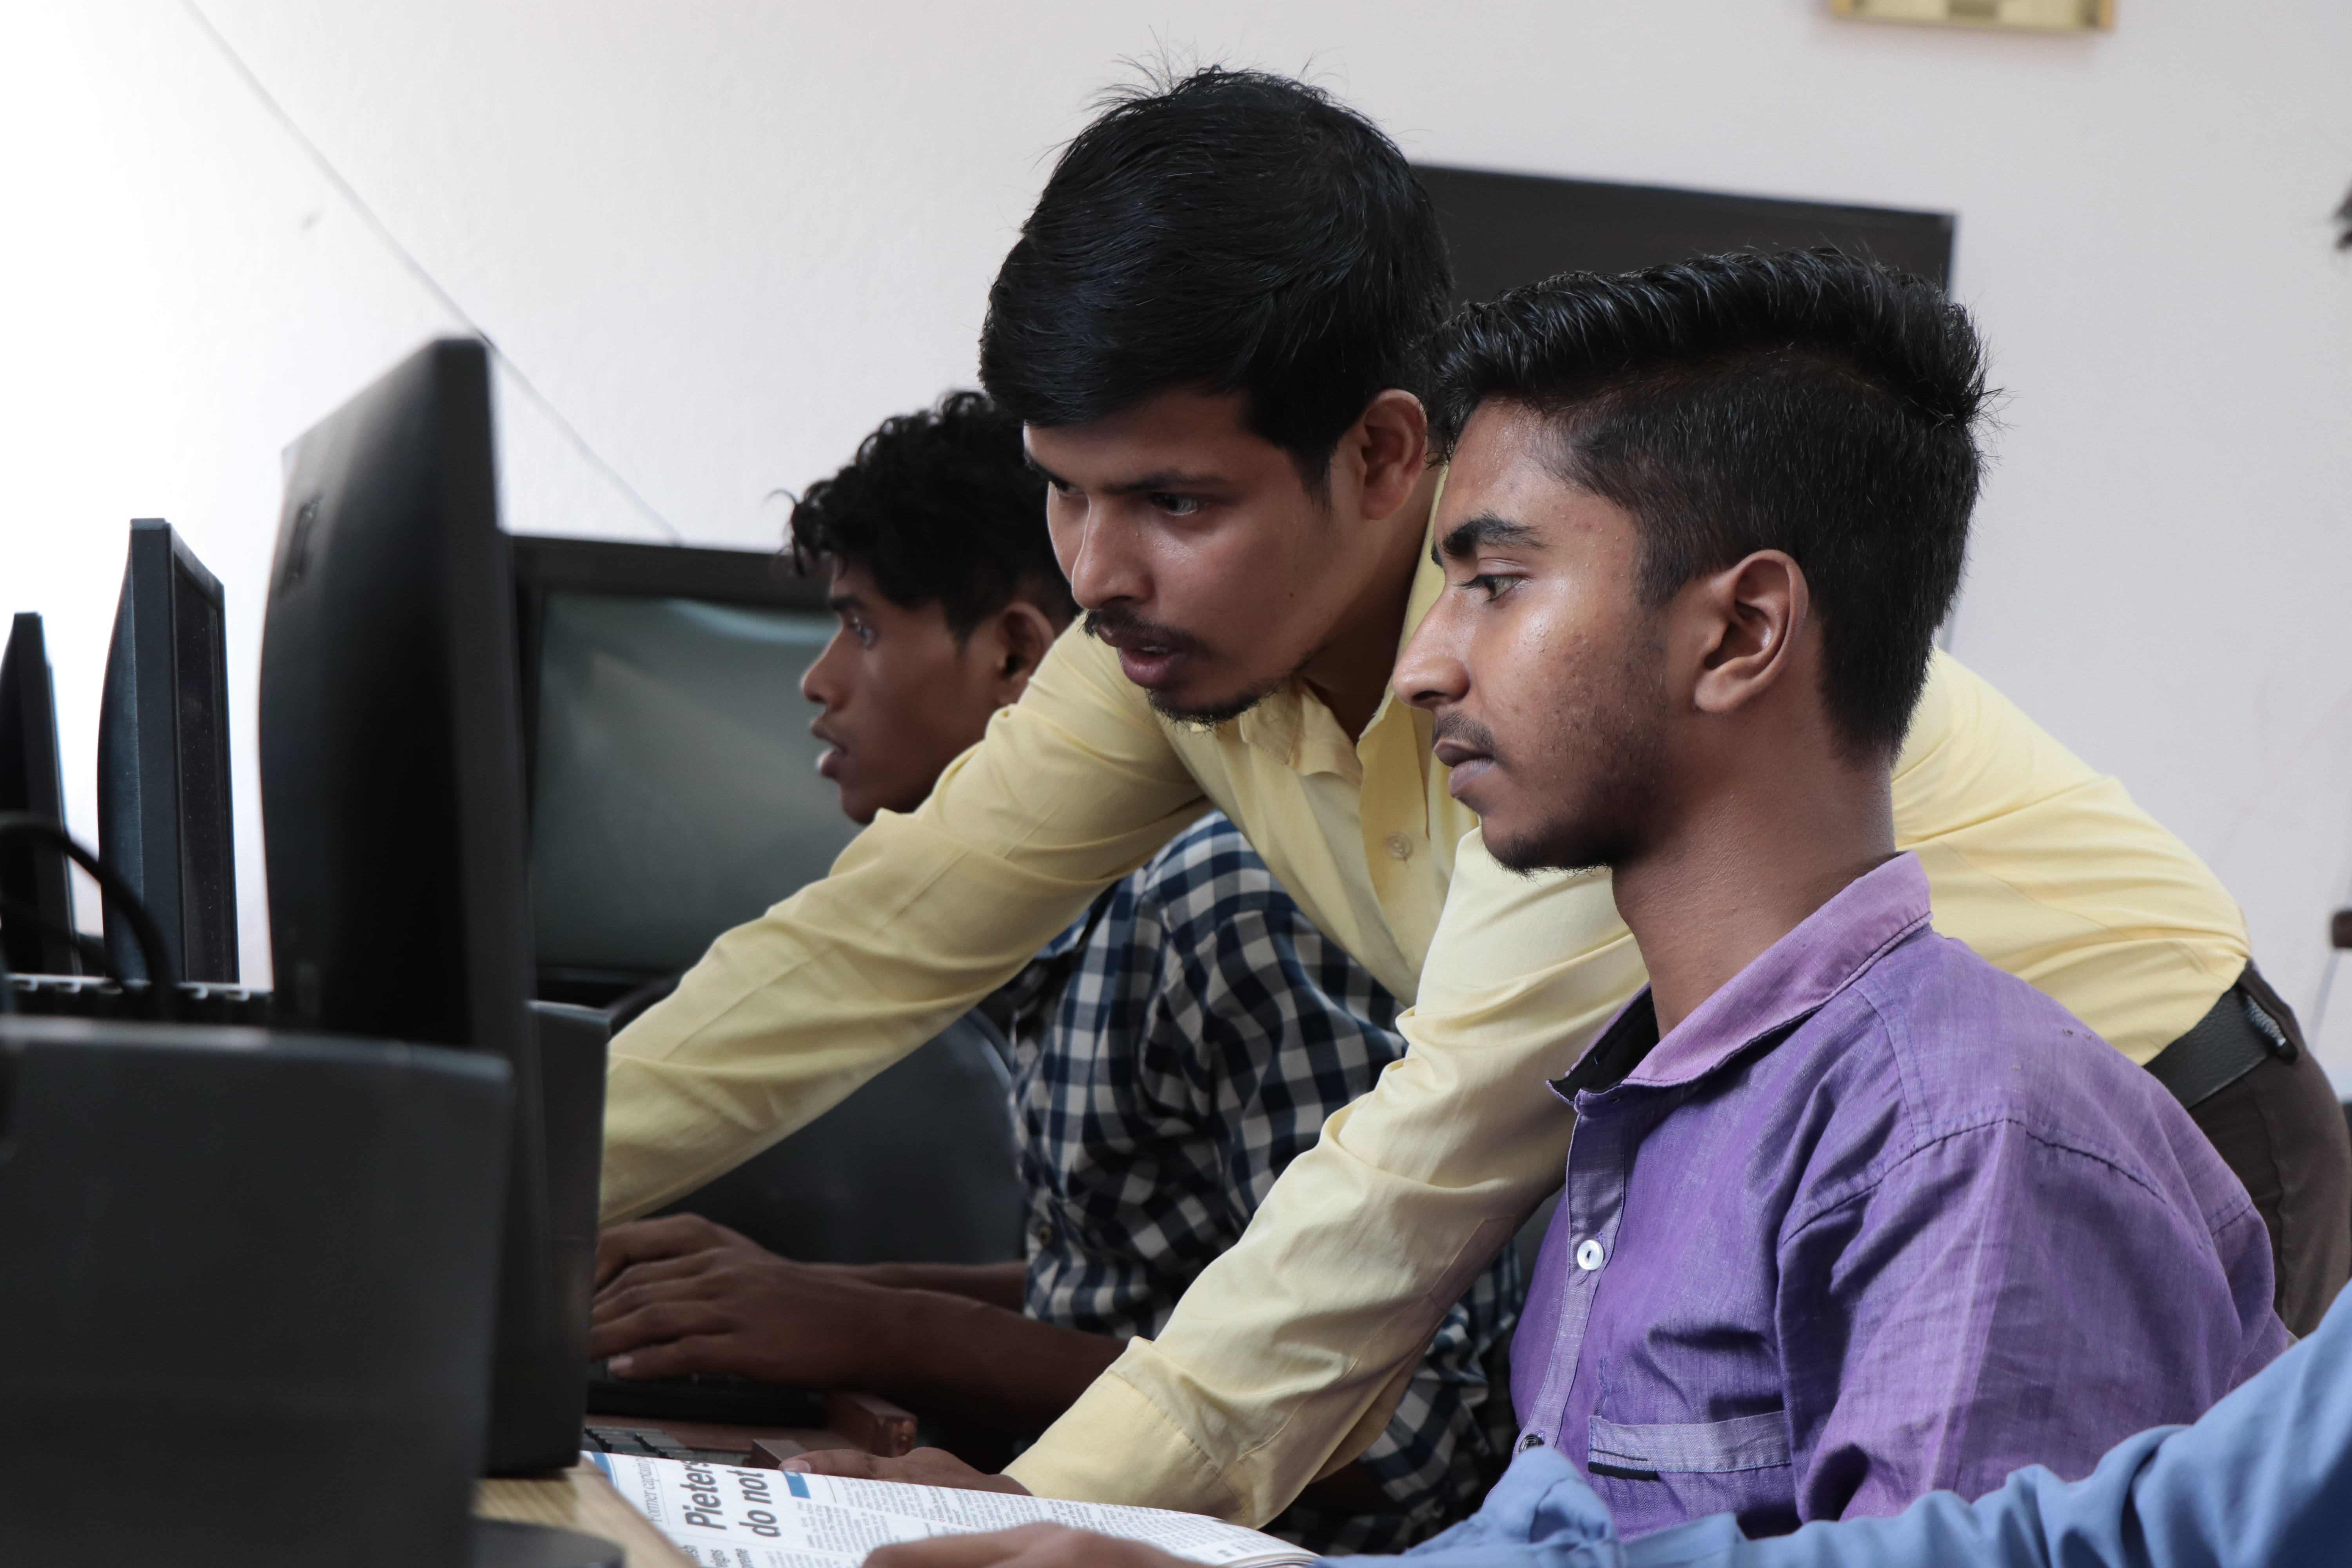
{"x":1232,"y":231}
{"x":1805,"y":402}
{"x":942,"y":508}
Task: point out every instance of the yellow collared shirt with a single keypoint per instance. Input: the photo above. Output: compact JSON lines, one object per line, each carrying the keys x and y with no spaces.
{"x":1285,"y":1358}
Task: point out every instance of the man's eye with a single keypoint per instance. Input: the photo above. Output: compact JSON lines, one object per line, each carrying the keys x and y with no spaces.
{"x":1176,"y":506}
{"x":1492,"y":585}
{"x":862,"y":632}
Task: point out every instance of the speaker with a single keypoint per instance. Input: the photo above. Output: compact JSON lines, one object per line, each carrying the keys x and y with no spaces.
{"x":251,"y":1281}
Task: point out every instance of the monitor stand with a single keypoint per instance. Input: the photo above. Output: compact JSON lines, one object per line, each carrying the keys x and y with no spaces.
{"x":503,"y":1543}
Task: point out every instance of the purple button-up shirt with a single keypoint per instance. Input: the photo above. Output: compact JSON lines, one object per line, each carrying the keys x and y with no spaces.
{"x":1876,"y":1219}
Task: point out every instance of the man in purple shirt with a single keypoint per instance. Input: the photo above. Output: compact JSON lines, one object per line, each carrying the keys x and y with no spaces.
{"x":1850,"y":1215}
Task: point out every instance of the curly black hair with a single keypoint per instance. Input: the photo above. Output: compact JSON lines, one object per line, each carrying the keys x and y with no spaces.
{"x":943,"y":509}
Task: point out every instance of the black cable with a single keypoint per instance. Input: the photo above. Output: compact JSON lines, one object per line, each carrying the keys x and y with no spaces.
{"x":163,"y":982}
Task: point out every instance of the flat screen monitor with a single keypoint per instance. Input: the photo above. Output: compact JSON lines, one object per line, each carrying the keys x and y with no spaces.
{"x":1503,"y":230}
{"x":392,"y":794}
{"x":36,"y":912}
{"x":163,"y":820}
{"x":674,"y":784}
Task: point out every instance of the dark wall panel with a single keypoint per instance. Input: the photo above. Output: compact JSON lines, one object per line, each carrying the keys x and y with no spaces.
{"x":1508,"y":229}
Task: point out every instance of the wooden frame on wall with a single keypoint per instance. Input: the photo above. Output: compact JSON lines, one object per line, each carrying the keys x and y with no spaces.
{"x":2019,"y":15}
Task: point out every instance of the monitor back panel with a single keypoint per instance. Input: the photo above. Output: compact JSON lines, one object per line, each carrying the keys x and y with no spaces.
{"x":164,"y":760}
{"x":36,"y":912}
{"x":391,"y":769}
{"x":391,"y":781}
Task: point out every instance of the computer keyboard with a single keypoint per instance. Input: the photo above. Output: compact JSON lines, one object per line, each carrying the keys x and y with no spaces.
{"x":723,"y":1397}
{"x":659,"y":1445}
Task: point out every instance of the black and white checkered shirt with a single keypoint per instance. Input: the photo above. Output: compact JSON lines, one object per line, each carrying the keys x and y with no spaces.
{"x":1173,"y":1052}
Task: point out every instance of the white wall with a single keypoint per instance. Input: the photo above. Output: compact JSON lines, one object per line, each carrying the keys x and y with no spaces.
{"x":725,"y":238}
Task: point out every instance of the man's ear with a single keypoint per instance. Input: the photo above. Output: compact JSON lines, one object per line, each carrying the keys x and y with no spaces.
{"x":1026,"y":632}
{"x":1389,"y":447}
{"x":1749,"y":616}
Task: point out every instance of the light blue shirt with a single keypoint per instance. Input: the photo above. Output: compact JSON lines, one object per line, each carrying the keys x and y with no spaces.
{"x":2264,"y":1481}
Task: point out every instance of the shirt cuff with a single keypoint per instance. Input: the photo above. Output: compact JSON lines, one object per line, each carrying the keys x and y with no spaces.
{"x":1115,"y":1445}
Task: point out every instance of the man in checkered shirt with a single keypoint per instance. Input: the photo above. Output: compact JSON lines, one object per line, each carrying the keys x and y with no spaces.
{"x":1172,"y":1052}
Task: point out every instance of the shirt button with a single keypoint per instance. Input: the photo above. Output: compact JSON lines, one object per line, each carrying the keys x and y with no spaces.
{"x":1400,"y":846}
{"x":1043,"y":1236}
{"x":1588,"y":1254}
{"x":1530,"y":1441}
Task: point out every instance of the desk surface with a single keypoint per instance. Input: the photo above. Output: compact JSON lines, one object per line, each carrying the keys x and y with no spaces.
{"x":580,"y":1498}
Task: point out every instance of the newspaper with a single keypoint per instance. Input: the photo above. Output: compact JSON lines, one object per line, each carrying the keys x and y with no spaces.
{"x":721,"y":1516}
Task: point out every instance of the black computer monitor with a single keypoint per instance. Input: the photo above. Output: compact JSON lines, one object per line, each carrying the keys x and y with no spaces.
{"x":391,"y":792}
{"x":164,"y":821}
{"x":673,"y":778}
{"x":1503,"y":230}
{"x":36,"y":913}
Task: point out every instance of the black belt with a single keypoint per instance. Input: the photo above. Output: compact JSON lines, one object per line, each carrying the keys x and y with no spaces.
{"x":2237,"y":1034}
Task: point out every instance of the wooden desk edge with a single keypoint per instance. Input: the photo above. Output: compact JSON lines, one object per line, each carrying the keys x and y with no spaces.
{"x":580,"y":1498}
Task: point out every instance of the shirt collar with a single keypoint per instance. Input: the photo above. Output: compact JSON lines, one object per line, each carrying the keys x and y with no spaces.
{"x":1787,"y":981}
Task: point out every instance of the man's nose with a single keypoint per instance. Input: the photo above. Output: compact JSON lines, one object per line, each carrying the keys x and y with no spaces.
{"x":818,"y":684}
{"x":1101,"y":562}
{"x":1431,"y":672}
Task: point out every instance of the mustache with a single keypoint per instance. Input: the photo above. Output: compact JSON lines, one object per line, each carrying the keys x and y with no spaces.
{"x":1115,"y":622}
{"x":1463,"y":732}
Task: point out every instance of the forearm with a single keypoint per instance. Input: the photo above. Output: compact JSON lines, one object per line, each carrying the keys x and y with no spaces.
{"x":1001,"y":1285}
{"x":788,"y":1014}
{"x":967,"y":1361}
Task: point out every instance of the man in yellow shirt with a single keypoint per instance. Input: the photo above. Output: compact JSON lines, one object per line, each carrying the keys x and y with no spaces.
{"x":1210,"y":327}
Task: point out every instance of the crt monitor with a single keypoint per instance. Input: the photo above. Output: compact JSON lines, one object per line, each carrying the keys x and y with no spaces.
{"x":162,"y":759}
{"x":36,"y":912}
{"x":674,"y":794}
{"x":673,"y":778}
{"x":392,"y":797}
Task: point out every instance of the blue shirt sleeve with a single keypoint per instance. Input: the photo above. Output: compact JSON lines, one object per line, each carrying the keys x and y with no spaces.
{"x":2264,"y":1481}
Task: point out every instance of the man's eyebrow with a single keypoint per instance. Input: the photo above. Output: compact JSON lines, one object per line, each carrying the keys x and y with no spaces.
{"x":840,"y":602}
{"x":1163,"y":480}
{"x":1142,"y":484}
{"x":1463,"y":537}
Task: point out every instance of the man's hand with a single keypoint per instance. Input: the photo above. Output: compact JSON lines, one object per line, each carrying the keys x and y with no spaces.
{"x":922,"y":1467}
{"x":680,"y":1295}
{"x":1031,"y":1546}
{"x":672,"y":1236}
